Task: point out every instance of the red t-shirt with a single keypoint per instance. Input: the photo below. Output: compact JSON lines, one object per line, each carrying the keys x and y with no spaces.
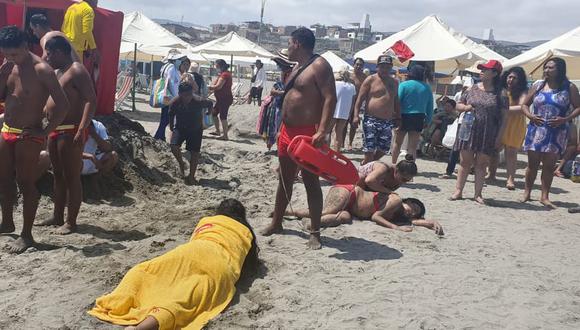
{"x":225,"y":93}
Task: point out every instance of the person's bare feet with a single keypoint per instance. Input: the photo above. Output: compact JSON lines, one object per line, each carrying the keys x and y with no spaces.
{"x":20,"y":245}
{"x":314,"y":242}
{"x":456,"y":196}
{"x":272,"y":229}
{"x":223,"y":138}
{"x":546,"y":202}
{"x":510,"y":186}
{"x":52,"y":221}
{"x":182,"y":170}
{"x":558,"y":174}
{"x":7,"y":228}
{"x":215,"y":133}
{"x":65,"y":229}
{"x":150,"y":323}
{"x":190,"y":181}
{"x":479,"y":200}
{"x":526,"y":198}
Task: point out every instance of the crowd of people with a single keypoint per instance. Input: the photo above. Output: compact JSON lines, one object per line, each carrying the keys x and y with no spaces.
{"x":50,"y":103}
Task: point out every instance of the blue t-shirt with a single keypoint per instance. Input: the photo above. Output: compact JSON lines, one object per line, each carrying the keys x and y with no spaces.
{"x":416,"y":97}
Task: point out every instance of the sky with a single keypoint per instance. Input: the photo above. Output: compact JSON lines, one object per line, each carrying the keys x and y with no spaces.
{"x":511,"y":20}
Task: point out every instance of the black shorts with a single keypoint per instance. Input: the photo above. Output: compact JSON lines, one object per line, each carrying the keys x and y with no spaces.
{"x":256,"y":92}
{"x":191,"y":138}
{"x":413,"y":122}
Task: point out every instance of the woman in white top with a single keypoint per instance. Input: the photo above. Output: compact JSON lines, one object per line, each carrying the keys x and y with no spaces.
{"x":345,"y":97}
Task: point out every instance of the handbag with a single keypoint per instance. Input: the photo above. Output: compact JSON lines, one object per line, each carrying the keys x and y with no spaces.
{"x":207,"y":119}
{"x":159,"y":97}
{"x":449,"y":138}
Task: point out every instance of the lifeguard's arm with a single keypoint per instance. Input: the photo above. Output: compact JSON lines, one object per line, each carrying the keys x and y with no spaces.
{"x":88,"y":22}
{"x":87,"y":92}
{"x":362,"y":95}
{"x":429,"y":224}
{"x":61,"y":104}
{"x":374,"y":180}
{"x":5,"y":71}
{"x":324,"y":80}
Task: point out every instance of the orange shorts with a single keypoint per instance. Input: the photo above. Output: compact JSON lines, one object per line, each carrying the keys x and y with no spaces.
{"x":67,"y":130}
{"x":12,"y":135}
{"x":289,"y":133}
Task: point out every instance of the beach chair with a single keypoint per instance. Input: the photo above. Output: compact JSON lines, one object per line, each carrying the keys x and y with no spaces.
{"x":124,"y":89}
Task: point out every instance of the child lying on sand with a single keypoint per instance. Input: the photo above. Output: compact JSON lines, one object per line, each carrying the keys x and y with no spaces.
{"x":388,"y":210}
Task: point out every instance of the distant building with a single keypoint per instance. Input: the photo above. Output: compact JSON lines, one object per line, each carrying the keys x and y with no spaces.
{"x":223,"y":28}
{"x":250,"y":25}
{"x":285,"y":30}
{"x":319,"y":30}
{"x":488,"y":35}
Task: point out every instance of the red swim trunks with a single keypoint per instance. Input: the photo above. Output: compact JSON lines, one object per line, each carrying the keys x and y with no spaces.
{"x":67,"y":130}
{"x":289,"y":133}
{"x":12,"y":135}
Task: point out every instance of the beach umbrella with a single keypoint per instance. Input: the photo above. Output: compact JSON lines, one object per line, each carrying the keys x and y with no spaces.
{"x":566,"y":46}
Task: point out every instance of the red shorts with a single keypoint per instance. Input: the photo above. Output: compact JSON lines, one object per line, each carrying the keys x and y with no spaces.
{"x":12,"y":135}
{"x":67,"y":130}
{"x":289,"y":133}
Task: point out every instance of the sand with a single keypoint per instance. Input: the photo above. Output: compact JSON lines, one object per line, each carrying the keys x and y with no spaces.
{"x":504,"y":266}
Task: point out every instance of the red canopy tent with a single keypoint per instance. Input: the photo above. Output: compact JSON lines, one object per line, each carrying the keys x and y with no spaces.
{"x":107,"y":31}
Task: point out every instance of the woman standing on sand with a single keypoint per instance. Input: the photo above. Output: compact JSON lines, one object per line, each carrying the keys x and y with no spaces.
{"x":222,"y":89}
{"x":515,"y":82}
{"x":485,"y":105}
{"x":548,"y":128}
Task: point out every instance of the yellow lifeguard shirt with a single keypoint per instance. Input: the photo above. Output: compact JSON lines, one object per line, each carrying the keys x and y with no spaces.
{"x":78,"y":26}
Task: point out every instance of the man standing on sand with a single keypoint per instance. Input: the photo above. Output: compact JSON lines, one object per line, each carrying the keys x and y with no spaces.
{"x":307,"y":108}
{"x":77,"y":25}
{"x":66,"y":143}
{"x":358,"y":78}
{"x":383,"y":112}
{"x":41,"y":29}
{"x":27,"y":82}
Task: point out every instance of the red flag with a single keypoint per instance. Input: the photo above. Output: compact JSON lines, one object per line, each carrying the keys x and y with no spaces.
{"x":401,"y":51}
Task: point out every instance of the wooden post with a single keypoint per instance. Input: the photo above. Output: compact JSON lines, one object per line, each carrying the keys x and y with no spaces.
{"x":134,"y":69}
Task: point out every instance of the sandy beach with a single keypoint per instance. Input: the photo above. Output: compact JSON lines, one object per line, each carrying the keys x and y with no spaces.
{"x":503,"y":266}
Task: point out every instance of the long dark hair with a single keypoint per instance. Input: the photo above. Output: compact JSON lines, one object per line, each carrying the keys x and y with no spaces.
{"x":521,"y":79}
{"x":235,"y":209}
{"x":222,"y":64}
{"x":561,"y":78}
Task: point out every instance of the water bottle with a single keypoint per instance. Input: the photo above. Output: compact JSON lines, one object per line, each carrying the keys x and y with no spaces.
{"x":466,"y":125}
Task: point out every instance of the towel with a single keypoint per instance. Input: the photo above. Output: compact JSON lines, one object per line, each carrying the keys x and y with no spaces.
{"x":186,"y":287}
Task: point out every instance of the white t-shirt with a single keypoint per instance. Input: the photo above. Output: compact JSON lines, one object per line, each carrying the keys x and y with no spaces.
{"x":260,"y":78}
{"x":92,"y":148}
{"x":345,"y":93}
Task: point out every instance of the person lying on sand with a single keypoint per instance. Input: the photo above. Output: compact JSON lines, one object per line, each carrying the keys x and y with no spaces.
{"x":190,"y":285}
{"x":344,"y":202}
{"x":385,"y":178}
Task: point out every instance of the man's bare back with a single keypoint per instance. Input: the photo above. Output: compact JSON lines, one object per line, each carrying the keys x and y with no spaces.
{"x":304,"y":102}
{"x":380,"y":95}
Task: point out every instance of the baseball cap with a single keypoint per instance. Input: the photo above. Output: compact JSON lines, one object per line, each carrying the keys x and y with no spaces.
{"x":491,"y":64}
{"x":385,"y":59}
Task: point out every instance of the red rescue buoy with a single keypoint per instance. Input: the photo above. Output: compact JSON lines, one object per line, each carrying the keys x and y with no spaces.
{"x":324,"y":162}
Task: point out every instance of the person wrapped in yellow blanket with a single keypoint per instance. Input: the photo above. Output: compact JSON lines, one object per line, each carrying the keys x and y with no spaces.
{"x":190,"y":285}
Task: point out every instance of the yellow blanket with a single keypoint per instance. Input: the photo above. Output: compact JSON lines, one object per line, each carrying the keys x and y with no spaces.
{"x":186,"y":287}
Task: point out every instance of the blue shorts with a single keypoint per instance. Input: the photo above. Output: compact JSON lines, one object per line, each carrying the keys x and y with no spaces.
{"x":377,"y":134}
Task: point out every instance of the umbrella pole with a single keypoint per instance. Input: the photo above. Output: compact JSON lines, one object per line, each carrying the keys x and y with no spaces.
{"x":134,"y":76}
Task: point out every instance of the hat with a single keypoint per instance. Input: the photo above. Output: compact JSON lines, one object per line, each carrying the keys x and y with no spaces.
{"x":258,"y":61}
{"x":385,"y":59}
{"x":282,"y":58}
{"x":491,"y":64}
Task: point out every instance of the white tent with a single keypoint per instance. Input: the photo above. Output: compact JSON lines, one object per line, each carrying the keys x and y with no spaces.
{"x":566,"y":46}
{"x":432,"y":40}
{"x":153,"y":41}
{"x":336,"y":62}
{"x":243,"y":50}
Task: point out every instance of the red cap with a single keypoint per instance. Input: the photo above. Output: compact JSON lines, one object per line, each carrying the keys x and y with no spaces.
{"x":491,"y":64}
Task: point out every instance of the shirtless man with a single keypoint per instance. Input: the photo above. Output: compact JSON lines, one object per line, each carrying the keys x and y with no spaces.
{"x":383,"y":112}
{"x":66,"y":143}
{"x":27,"y":82}
{"x":307,"y":109}
{"x":41,"y":29}
{"x":358,"y":78}
{"x":387,"y":210}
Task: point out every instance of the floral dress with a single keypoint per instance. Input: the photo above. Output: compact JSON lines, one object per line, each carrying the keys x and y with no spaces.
{"x":548,"y":105}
